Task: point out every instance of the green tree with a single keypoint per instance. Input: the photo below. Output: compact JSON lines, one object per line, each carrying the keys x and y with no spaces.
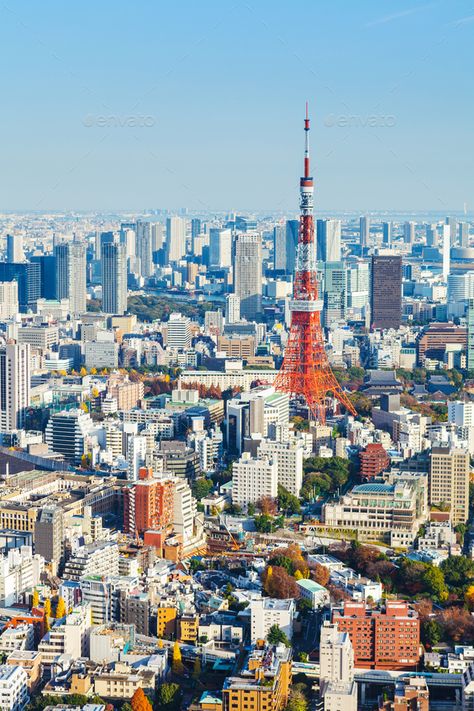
{"x":168,"y":697}
{"x":434,"y":583}
{"x":288,"y":502}
{"x":297,"y":701}
{"x":251,"y":509}
{"x":201,"y":488}
{"x":277,"y":636}
{"x":458,"y":572}
{"x":430,"y":632}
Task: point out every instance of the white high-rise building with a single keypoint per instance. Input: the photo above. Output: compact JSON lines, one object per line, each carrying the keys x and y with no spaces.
{"x":269,"y":611}
{"x":461,"y":413}
{"x":144,"y":248}
{"x":248,"y":274}
{"x":137,"y":449}
{"x":446,"y":250}
{"x":13,"y":688}
{"x":15,"y":377}
{"x":184,"y":510}
{"x":409,"y":232}
{"x":20,"y":571}
{"x":328,"y":240}
{"x":252,"y":479}
{"x":15,"y":248}
{"x":336,"y":679}
{"x":364,"y":229}
{"x":232,"y":308}
{"x":8,"y":299}
{"x":289,"y":459}
{"x":175,"y":238}
{"x":71,"y":266}
{"x":220,"y":247}
{"x":178,"y":332}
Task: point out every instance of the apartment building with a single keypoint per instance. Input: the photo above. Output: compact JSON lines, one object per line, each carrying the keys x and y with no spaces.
{"x":449,"y":481}
{"x":263,"y":684}
{"x":387,"y":638}
{"x":289,"y":459}
{"x":70,"y":635}
{"x":268,"y":611}
{"x":13,"y":688}
{"x":252,"y":479}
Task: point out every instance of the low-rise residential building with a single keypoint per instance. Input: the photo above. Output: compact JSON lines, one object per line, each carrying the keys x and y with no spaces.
{"x":263,"y":683}
{"x":268,"y":611}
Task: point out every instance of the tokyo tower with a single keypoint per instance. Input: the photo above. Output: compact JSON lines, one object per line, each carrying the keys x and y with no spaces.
{"x":305,"y":373}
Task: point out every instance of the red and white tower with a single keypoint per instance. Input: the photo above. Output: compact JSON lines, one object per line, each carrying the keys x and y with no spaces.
{"x":305,"y":373}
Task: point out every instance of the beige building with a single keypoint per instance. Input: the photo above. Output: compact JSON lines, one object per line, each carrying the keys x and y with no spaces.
{"x":8,"y":299}
{"x":388,"y":512}
{"x":449,"y":481}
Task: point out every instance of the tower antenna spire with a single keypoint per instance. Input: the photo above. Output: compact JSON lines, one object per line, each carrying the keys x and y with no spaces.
{"x":305,"y":373}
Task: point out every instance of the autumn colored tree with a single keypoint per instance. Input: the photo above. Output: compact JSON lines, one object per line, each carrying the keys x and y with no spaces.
{"x":279,"y":583}
{"x":177,"y":661}
{"x":320,"y":574}
{"x":457,"y":625}
{"x":140,"y":702}
{"x":35,"y":598}
{"x":268,"y":506}
{"x":197,"y":669}
{"x":469,"y":597}
{"x":47,"y":607}
{"x":60,"y":608}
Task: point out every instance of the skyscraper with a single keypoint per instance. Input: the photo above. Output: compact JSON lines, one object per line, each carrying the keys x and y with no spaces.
{"x":15,"y":248}
{"x":15,"y":376}
{"x":144,"y":248}
{"x":432,"y":235}
{"x":452,"y":222}
{"x":446,"y":250}
{"x":335,"y":292}
{"x":220,"y":247}
{"x":248,"y":274}
{"x":464,"y":234}
{"x":279,"y":248}
{"x":28,"y":276}
{"x":448,"y":481}
{"x":175,"y":239}
{"x":232,"y":308}
{"x":470,"y":334}
{"x":49,"y":536}
{"x":364,"y":229}
{"x":386,"y":291}
{"x":195,"y":227}
{"x":387,"y":233}
{"x":409,"y":232}
{"x":328,"y":240}
{"x":47,"y":264}
{"x":114,"y":278}
{"x":71,"y":275}
{"x":157,"y":236}
{"x":292,"y":231}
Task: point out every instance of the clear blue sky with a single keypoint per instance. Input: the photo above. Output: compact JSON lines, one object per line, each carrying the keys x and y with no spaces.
{"x":223,"y":86}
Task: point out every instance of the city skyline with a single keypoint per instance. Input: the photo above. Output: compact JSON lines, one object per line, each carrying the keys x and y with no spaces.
{"x":159,"y":125}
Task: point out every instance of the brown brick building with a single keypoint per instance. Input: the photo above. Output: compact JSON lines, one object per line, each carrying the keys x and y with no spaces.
{"x":382,"y":639}
{"x":432,"y":341}
{"x":373,"y":461}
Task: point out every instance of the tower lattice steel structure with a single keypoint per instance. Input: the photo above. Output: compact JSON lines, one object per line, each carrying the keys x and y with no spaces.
{"x":305,"y":373}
